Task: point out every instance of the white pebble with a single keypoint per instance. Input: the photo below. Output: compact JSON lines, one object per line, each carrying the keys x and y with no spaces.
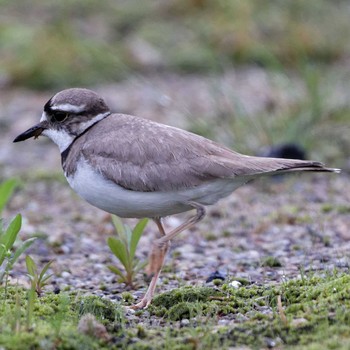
{"x":235,"y":284}
{"x":65,"y":274}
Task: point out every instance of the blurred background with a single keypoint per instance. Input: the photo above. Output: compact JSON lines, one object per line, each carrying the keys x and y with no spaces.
{"x":250,"y":74}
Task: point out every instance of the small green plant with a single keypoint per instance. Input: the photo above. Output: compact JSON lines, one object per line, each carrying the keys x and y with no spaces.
{"x":37,"y":283}
{"x":9,"y":255}
{"x":38,"y":280}
{"x":124,"y":248}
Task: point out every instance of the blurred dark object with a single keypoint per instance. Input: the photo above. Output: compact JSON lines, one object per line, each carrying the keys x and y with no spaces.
{"x":217,"y":275}
{"x":285,"y":150}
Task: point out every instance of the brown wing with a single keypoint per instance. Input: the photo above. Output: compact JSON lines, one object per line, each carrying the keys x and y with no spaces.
{"x":145,"y":156}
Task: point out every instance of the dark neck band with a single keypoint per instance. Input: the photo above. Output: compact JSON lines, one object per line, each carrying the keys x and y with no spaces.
{"x":65,"y":153}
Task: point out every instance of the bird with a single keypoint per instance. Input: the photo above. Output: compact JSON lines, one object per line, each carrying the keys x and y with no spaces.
{"x":137,"y":168}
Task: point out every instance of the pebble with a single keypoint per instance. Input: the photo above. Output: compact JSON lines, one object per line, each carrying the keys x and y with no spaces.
{"x":184,"y":322}
{"x":65,"y":274}
{"x":129,"y":311}
{"x":224,"y":322}
{"x":235,"y":284}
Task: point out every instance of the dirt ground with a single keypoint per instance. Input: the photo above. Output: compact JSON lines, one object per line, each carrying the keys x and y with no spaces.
{"x":303,"y":221}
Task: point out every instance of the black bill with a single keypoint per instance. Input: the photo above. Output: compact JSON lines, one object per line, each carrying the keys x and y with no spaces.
{"x":35,"y":132}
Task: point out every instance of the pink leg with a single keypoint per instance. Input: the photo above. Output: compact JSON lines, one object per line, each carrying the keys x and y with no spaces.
{"x":159,"y":250}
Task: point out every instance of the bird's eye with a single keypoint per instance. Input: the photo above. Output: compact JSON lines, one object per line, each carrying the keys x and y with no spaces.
{"x":59,"y":116}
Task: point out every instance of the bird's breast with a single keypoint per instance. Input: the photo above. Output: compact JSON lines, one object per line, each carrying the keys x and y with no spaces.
{"x":109,"y":196}
{"x":115,"y":199}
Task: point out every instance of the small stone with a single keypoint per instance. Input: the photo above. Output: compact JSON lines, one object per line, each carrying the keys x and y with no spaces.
{"x":223,"y":322}
{"x":235,"y":284}
{"x":270,"y":343}
{"x":297,"y":322}
{"x":65,"y":249}
{"x":129,"y":311}
{"x":90,"y":326}
{"x":184,"y":322}
{"x":65,"y":274}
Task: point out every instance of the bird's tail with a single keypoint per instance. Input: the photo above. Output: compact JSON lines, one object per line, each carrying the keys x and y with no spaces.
{"x":259,"y":166}
{"x":308,"y":166}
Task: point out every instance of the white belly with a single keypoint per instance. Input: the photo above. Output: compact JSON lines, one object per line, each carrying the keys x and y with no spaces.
{"x":109,"y":196}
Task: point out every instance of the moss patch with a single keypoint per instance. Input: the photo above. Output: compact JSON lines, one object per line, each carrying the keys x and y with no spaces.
{"x":307,"y":313}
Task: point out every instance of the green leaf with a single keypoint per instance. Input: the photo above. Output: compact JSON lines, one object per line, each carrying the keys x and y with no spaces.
{"x":3,"y":252}
{"x":9,"y":237}
{"x":22,"y":248}
{"x":43,"y":271}
{"x":6,"y":191}
{"x":45,"y":279}
{"x":118,"y":224}
{"x":117,"y":272}
{"x":119,"y":250}
{"x":121,"y":229}
{"x":136,"y":235}
{"x":31,"y":266}
{"x":128,"y":234}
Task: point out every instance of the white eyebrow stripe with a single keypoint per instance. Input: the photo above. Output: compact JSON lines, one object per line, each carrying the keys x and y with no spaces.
{"x":67,"y":107}
{"x":43,"y":117}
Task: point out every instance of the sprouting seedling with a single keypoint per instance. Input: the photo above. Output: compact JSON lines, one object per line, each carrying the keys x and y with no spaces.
{"x":38,"y":280}
{"x":8,"y":254}
{"x":124,"y":248}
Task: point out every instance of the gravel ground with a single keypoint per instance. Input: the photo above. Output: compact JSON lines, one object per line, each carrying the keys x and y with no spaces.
{"x":303,"y":220}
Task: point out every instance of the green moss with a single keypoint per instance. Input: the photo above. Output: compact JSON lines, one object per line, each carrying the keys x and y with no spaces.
{"x":211,"y":237}
{"x":327,"y":207}
{"x":127,"y":297}
{"x":218,"y":282}
{"x":104,"y":309}
{"x":314,"y":313}
{"x":341,"y":209}
{"x":183,"y":310}
{"x":271,"y":261}
{"x":185,"y":294}
{"x":241,"y":280}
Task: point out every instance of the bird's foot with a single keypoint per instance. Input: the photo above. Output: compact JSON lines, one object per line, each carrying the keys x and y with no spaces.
{"x":143,"y":304}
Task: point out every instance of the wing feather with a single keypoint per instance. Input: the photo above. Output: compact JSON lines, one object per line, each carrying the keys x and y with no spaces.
{"x":142,"y":155}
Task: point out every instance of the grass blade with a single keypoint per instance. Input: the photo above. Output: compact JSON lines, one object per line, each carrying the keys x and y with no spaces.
{"x":45,"y":279}
{"x":44,"y":270}
{"x":31,"y":266}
